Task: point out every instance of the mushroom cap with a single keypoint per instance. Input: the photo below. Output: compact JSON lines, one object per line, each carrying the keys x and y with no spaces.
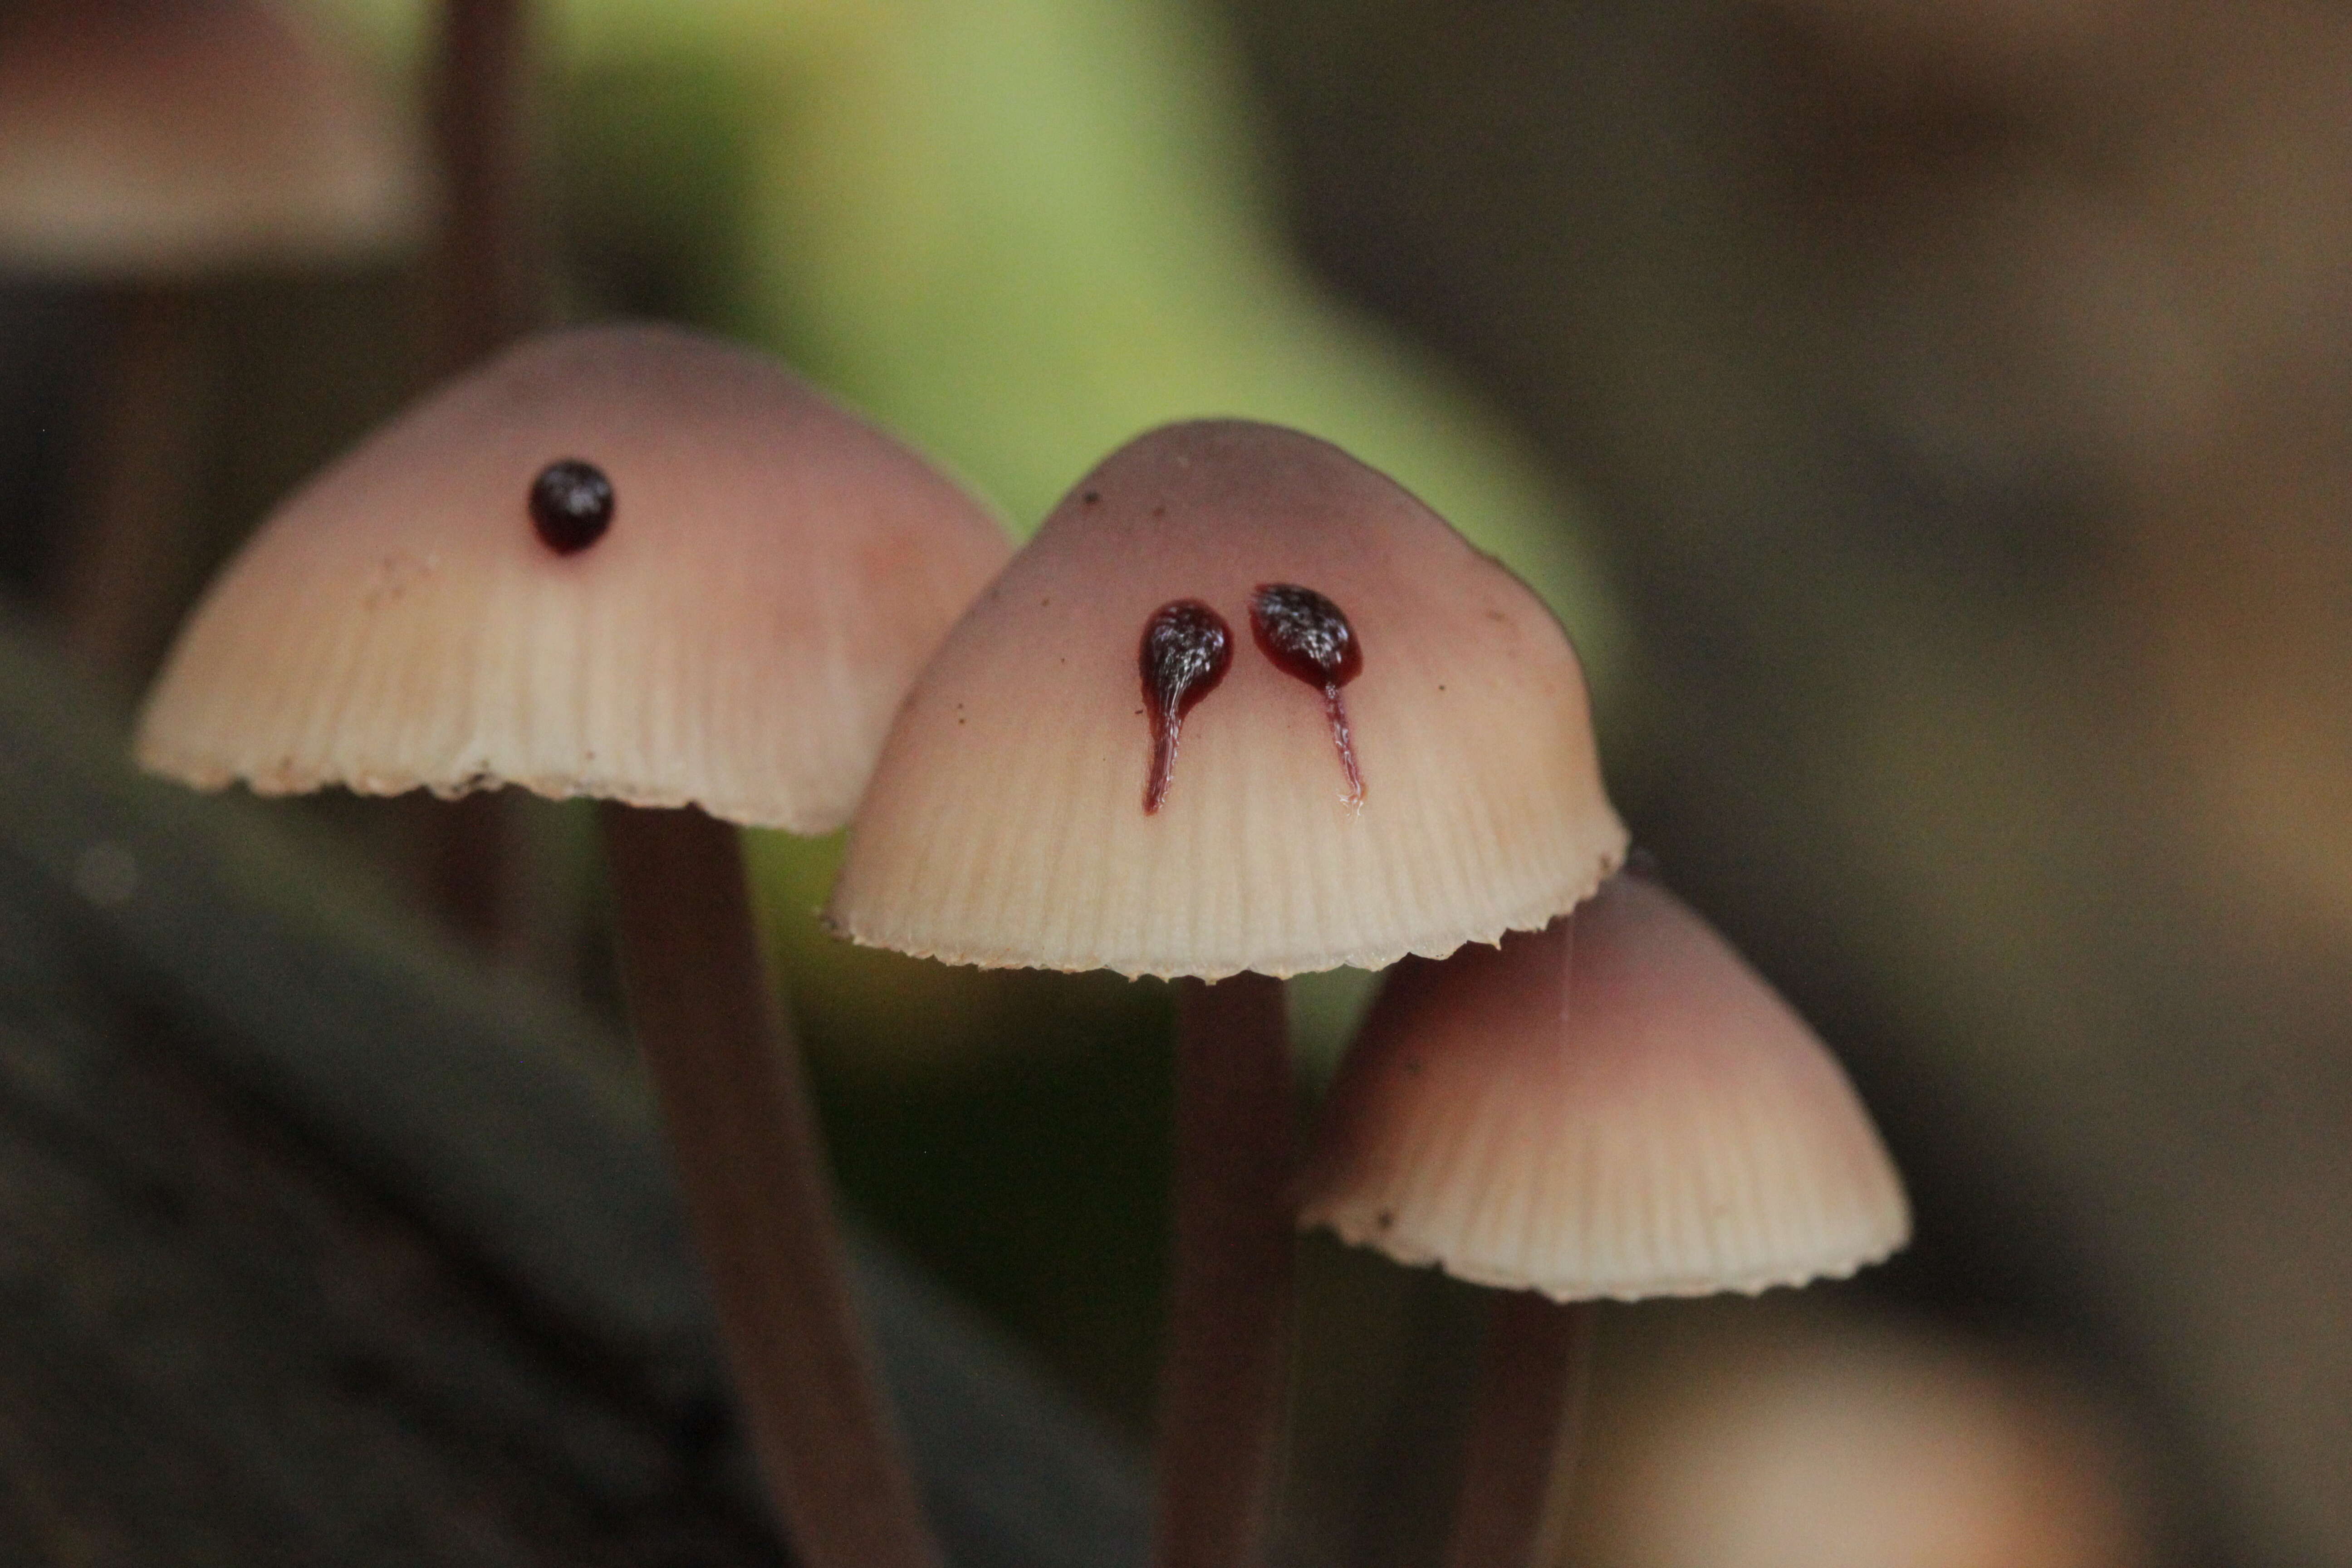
{"x":150,"y":138}
{"x":1616,"y":1105}
{"x":1812,"y":1433}
{"x":1006,"y":824}
{"x":774,"y":573}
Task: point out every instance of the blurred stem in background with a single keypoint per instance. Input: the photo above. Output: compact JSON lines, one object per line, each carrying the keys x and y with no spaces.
{"x":147,"y":151}
{"x":130,"y":557}
{"x":491,"y":279}
{"x":1520,"y":1461}
{"x":491,"y":283}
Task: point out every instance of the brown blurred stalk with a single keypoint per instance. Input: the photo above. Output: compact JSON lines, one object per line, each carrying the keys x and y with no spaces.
{"x":489,"y":278}
{"x":490,"y":266}
{"x":1523,"y":1424}
{"x":1224,"y":1376}
{"x":122,"y":576}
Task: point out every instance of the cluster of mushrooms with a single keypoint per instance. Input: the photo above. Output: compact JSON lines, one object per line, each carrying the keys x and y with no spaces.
{"x":1242,"y":709}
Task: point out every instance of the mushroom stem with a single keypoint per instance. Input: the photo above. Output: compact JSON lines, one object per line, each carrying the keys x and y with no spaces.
{"x":1523,"y":1421}
{"x":487,"y":288}
{"x":1222,"y":1383}
{"x":751,"y":1162}
{"x":490,"y":282}
{"x":118,"y":589}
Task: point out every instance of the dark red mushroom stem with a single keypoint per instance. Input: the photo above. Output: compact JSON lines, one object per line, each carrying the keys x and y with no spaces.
{"x":759,"y":1201}
{"x":1224,"y":1373}
{"x":1523,"y":1427}
{"x":1308,"y":635}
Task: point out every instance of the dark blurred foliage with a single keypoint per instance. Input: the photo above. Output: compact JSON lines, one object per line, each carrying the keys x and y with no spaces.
{"x":39,"y":327}
{"x":1027,"y":1177}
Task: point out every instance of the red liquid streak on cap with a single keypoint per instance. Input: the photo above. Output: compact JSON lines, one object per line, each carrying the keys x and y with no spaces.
{"x":1308,"y":635}
{"x":1186,"y":648}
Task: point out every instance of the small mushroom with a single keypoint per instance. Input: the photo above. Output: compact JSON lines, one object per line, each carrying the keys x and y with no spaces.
{"x":641,"y":565}
{"x":1616,"y":1106}
{"x":1108,"y":766}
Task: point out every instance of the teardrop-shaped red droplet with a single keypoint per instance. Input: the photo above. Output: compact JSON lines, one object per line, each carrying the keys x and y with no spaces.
{"x":1187,"y":649}
{"x":1306,"y":635}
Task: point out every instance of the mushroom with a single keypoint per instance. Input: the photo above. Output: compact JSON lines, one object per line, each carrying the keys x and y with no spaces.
{"x":145,"y":146}
{"x":1615,"y":1106}
{"x":140,"y":139}
{"x":636,"y":565}
{"x":1243,"y":708}
{"x":1812,"y":1430}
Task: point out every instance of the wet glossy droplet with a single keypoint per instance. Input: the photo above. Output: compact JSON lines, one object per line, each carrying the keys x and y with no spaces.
{"x":1187,"y":649}
{"x":571,"y":505}
{"x":1308,"y":635}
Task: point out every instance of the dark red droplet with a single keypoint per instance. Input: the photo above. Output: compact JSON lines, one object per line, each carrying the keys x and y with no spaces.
{"x":1186,"y":648}
{"x":1308,"y":635}
{"x":571,"y":505}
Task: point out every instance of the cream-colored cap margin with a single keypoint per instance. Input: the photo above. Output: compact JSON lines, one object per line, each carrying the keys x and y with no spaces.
{"x":1614,"y":1107}
{"x":776,"y":573}
{"x":1005,"y":824}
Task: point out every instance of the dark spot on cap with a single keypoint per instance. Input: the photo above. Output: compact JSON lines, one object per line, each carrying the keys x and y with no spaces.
{"x":1187,"y":649}
{"x":571,"y":505}
{"x":1308,"y":635}
{"x":1091,"y":497}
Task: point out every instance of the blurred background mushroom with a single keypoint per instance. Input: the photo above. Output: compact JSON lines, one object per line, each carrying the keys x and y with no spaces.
{"x":1798,"y":1432}
{"x":146,"y":150}
{"x":1956,"y":397}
